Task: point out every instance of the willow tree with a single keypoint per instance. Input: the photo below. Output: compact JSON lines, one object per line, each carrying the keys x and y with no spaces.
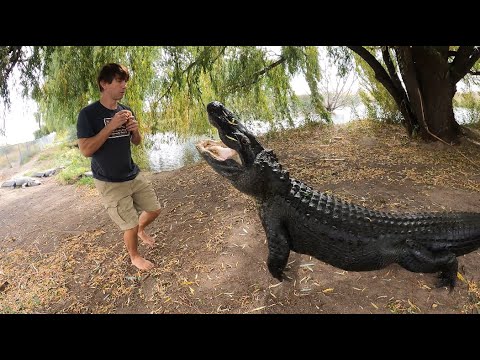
{"x":422,"y":81}
{"x":63,"y":79}
{"x":28,"y":63}
{"x":69,"y":80}
{"x":379,"y":104}
{"x":255,"y":81}
{"x":170,"y":85}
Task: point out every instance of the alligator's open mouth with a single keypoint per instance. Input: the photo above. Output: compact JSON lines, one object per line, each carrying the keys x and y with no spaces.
{"x":237,"y":149}
{"x":218,"y":151}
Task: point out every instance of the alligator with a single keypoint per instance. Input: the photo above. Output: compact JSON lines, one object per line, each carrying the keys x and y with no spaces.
{"x":295,"y":217}
{"x":48,"y":172}
{"x":23,"y":181}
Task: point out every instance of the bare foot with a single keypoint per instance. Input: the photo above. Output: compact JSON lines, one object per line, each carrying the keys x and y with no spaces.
{"x":142,"y":263}
{"x":147,"y":239}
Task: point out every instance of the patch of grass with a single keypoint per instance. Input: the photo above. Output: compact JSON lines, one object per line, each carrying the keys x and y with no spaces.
{"x":402,"y":307}
{"x":71,"y":174}
{"x":48,"y":154}
{"x":75,"y":165}
{"x":86,"y":181}
{"x":473,"y":305}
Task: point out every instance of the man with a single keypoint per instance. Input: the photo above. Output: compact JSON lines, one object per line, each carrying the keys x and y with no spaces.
{"x":105,"y":129}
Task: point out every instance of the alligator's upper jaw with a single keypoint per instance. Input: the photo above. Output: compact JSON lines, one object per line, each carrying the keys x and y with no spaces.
{"x":225,"y":122}
{"x":220,"y":117}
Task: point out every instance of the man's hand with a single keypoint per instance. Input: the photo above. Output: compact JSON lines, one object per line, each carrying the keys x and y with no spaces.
{"x":132,"y":124}
{"x":119,"y":119}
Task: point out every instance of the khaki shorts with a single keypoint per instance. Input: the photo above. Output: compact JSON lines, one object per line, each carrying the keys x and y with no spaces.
{"x":125,"y":200}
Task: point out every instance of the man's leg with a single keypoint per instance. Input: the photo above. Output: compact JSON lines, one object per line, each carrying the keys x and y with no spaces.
{"x":146,"y":217}
{"x":131,"y":242}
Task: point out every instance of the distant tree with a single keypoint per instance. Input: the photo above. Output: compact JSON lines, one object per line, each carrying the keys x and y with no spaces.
{"x":336,"y":90}
{"x":253,"y":80}
{"x":469,"y":103}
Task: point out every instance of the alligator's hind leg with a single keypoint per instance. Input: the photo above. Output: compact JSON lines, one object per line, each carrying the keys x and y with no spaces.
{"x":418,"y":258}
{"x":448,"y":273}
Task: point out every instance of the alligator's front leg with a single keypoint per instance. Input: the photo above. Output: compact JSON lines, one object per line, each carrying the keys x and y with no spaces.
{"x":278,"y":243}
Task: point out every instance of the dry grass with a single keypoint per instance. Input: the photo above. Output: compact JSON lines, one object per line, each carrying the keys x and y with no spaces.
{"x":204,"y":236}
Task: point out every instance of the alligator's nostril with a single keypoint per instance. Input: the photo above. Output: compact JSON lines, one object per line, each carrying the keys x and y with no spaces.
{"x":214,"y":105}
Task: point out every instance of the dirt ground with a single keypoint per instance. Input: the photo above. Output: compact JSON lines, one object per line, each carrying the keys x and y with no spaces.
{"x":60,"y":253}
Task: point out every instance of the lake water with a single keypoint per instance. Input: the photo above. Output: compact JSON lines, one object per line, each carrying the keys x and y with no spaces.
{"x":169,"y":152}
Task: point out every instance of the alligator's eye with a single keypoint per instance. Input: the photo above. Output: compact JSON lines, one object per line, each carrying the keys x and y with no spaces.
{"x":244,"y":141}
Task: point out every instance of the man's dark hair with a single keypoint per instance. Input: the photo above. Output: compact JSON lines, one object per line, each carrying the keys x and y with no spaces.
{"x":112,"y":71}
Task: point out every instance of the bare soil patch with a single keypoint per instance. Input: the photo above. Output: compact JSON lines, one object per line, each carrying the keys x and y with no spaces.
{"x":60,"y":253}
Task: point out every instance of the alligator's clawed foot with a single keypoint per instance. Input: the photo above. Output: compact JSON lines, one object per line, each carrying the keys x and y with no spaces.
{"x":445,"y":280}
{"x":278,"y":275}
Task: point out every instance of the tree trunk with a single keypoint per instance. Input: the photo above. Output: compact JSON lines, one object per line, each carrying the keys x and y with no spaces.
{"x":433,"y":101}
{"x":437,"y":99}
{"x":425,"y":98}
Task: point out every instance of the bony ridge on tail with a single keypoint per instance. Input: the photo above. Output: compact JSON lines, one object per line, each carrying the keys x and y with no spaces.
{"x":298,"y":218}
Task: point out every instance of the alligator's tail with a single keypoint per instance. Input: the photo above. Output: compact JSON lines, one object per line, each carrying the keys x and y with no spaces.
{"x":461,"y":234}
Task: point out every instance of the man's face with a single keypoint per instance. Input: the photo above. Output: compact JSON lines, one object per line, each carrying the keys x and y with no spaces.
{"x":115,"y":90}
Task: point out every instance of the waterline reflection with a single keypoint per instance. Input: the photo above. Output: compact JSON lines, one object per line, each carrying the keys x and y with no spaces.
{"x":167,"y":151}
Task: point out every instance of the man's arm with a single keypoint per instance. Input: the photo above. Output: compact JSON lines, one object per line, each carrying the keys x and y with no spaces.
{"x":88,"y":146}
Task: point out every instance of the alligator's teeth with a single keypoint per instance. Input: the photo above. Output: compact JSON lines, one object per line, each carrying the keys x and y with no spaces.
{"x":231,"y":138}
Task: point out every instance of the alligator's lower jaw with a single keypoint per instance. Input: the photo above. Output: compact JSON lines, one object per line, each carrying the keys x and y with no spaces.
{"x":218,"y":150}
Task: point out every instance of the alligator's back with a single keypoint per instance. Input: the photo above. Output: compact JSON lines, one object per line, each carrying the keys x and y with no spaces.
{"x":353,"y":237}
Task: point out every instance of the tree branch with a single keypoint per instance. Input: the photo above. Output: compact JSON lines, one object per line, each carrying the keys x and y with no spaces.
{"x":463,"y":53}
{"x":452,"y":53}
{"x":380,"y":73}
{"x":11,"y":57}
{"x":409,"y":76}
{"x":398,"y":94}
{"x":190,"y":66}
{"x":257,"y":75}
{"x":391,"y":68}
{"x":466,"y":57}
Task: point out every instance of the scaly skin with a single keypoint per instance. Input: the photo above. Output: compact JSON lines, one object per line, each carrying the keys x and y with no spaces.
{"x":348,"y":236}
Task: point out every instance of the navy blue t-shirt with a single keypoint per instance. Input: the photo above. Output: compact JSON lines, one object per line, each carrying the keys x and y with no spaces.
{"x":113,"y":160}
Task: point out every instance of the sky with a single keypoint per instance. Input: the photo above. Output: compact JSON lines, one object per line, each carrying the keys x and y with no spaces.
{"x":20,"y":123}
